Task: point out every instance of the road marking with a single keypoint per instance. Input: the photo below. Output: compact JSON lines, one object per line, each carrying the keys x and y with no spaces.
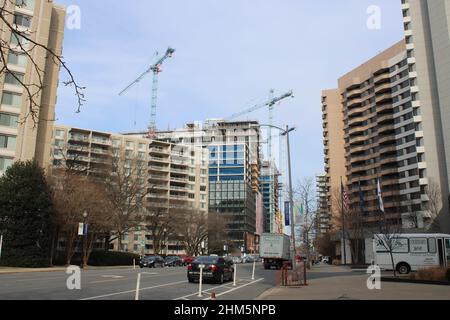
{"x":113,"y":277}
{"x":196,"y":293}
{"x":133,"y":291}
{"x":237,"y":288}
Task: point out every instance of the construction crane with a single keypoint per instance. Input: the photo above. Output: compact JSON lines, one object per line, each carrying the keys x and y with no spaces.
{"x":271,"y":105}
{"x":156,"y":70}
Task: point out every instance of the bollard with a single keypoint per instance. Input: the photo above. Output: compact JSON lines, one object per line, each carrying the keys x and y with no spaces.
{"x":138,"y":287}
{"x":213,"y":296}
{"x":235,"y":276}
{"x":200,"y":284}
{"x":134,"y":264}
{"x":254,"y":268}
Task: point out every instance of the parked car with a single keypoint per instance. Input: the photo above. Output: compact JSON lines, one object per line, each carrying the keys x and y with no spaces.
{"x":173,"y":261}
{"x":187,"y":260}
{"x":247,"y":259}
{"x":152,"y":262}
{"x":216,"y":269}
{"x":237,"y":260}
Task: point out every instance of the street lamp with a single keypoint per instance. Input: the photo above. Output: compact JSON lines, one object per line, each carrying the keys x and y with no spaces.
{"x":85,"y":232}
{"x":286,"y":132}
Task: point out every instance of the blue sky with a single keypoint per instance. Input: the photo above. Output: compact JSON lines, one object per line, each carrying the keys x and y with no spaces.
{"x":229,"y":55}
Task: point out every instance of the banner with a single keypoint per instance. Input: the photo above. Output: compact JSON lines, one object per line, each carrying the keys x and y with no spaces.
{"x":287,"y":213}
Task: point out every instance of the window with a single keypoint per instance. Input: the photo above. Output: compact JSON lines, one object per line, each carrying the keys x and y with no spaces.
{"x":5,"y":163}
{"x":17,"y":59}
{"x":60,"y":133}
{"x":130,"y":145}
{"x":418,"y":245}
{"x":8,"y":142}
{"x":14,"y":78}
{"x":8,"y":120}
{"x":22,"y":20}
{"x":26,"y":4}
{"x":141,"y":146}
{"x":432,"y":245}
{"x":18,"y":40}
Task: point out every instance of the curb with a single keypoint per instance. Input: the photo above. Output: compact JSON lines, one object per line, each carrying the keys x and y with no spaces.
{"x":58,"y":269}
{"x":429,"y":282}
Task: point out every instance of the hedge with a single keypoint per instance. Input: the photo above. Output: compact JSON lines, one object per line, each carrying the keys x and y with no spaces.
{"x":101,"y":259}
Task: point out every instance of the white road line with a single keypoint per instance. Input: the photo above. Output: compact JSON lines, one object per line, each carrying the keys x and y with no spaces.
{"x":132,"y":291}
{"x":237,"y":288}
{"x":196,"y":293}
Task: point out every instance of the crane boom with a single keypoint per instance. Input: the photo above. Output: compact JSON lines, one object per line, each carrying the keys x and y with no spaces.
{"x":156,"y":70}
{"x":270,"y":103}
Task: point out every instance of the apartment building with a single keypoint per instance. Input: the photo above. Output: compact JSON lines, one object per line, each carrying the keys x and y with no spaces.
{"x":334,"y":150}
{"x":427,"y":36}
{"x":176,"y":176}
{"x":270,"y":191}
{"x":22,"y":137}
{"x":323,"y":213}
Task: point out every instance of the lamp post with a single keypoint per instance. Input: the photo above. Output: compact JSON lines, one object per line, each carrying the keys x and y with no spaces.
{"x":286,"y":132}
{"x":85,"y":232}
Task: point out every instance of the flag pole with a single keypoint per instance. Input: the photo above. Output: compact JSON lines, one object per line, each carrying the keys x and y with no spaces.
{"x":343,"y":222}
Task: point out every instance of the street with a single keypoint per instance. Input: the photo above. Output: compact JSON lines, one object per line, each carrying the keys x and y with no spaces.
{"x":120,"y":284}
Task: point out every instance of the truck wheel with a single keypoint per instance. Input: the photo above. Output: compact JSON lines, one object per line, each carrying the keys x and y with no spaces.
{"x":403,"y":268}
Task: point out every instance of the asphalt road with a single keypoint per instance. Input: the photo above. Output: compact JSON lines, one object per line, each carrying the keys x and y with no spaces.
{"x":120,"y":284}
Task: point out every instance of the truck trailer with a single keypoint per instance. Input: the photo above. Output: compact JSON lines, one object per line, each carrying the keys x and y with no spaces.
{"x":275,"y":250}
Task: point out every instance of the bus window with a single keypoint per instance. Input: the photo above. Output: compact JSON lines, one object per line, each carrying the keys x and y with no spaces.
{"x":418,"y":245}
{"x":447,"y":246}
{"x":432,"y":245}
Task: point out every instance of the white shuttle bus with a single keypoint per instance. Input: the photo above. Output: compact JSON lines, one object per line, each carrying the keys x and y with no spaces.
{"x":413,"y":252}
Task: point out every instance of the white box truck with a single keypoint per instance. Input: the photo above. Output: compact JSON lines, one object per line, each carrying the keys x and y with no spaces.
{"x":275,"y":250}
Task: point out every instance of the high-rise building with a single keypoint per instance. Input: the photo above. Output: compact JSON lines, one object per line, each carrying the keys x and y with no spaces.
{"x":334,"y":150}
{"x":270,"y":192}
{"x":323,"y":214}
{"x":175,"y":176}
{"x":23,"y":137}
{"x":427,"y":35}
{"x":384,"y":141}
{"x":234,"y":171}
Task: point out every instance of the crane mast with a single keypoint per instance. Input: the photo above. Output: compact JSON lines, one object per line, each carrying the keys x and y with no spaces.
{"x":156,"y":70}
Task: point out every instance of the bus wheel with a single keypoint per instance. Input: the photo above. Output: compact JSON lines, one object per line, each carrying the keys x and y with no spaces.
{"x":403,"y":268}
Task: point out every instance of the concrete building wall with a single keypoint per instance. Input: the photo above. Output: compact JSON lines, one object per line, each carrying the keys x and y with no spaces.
{"x":30,"y":138}
{"x":427,"y":35}
{"x":334,"y":149}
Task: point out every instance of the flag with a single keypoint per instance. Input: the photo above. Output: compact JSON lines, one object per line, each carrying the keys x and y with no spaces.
{"x":380,"y":197}
{"x":345,"y":198}
{"x":362,"y":202}
{"x":287,"y":214}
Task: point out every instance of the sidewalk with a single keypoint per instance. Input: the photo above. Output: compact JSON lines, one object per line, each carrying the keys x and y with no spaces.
{"x":347,"y":285}
{"x":11,"y":270}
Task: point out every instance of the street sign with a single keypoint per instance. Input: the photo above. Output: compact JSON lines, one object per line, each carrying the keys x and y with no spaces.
{"x":287,"y":213}
{"x":81,"y":229}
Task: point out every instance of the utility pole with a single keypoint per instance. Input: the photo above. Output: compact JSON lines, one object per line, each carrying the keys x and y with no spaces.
{"x":291,"y":198}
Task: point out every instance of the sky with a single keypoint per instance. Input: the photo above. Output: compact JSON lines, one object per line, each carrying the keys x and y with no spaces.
{"x":230,"y":54}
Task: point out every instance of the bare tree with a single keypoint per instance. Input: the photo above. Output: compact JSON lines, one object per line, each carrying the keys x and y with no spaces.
{"x":23,"y":44}
{"x":193,"y":230}
{"x":126,"y":188}
{"x":355,"y":226}
{"x":217,"y":231}
{"x":434,"y":204}
{"x":74,"y":195}
{"x":305,"y":193}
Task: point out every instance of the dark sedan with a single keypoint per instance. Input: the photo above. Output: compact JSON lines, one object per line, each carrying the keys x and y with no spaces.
{"x":152,"y":262}
{"x":216,"y":269}
{"x":173,"y":261}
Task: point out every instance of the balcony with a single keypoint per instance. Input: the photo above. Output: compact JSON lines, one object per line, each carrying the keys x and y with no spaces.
{"x":79,"y":138}
{"x":180,"y":171}
{"x":158,"y":177}
{"x":159,"y":150}
{"x":158,"y":168}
